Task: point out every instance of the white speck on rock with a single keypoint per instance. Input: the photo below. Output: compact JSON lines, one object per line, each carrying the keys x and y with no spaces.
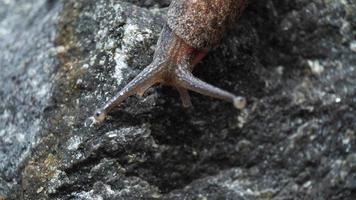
{"x":280,"y":70}
{"x":353,"y":46}
{"x":90,"y":122}
{"x":85,"y":66}
{"x":102,"y":61}
{"x":316,"y":67}
{"x":74,"y":143}
{"x":307,"y":184}
{"x":39,"y":190}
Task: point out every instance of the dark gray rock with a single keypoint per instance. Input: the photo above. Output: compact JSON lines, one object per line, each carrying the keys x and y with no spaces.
{"x":294,"y":60}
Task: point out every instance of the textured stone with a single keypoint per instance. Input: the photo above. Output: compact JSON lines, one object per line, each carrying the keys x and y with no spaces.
{"x":294,"y":60}
{"x":27,"y":64}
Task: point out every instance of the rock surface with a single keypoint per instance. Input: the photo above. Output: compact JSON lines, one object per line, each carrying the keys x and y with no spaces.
{"x":28,"y":64}
{"x":294,"y":60}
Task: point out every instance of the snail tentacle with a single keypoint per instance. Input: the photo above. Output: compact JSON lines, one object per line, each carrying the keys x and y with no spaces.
{"x":185,"y":79}
{"x":184,"y":96}
{"x":144,"y":80}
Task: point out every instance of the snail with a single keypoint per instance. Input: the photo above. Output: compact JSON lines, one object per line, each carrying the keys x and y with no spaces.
{"x":192,"y":28}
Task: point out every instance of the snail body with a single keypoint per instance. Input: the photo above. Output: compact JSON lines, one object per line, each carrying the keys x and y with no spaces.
{"x":201,"y":23}
{"x":192,"y":28}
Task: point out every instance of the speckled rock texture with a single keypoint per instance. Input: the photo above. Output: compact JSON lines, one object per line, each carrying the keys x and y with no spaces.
{"x":294,"y":60}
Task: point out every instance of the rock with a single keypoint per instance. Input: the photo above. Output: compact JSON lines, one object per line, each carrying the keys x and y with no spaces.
{"x":293,"y":60}
{"x":28,"y":65}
